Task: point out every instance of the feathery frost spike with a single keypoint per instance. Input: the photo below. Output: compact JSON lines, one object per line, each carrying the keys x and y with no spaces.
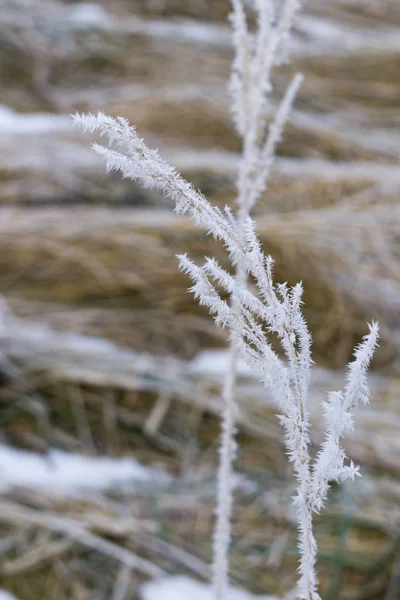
{"x":329,"y":465}
{"x":241,"y":67}
{"x":145,"y":165}
{"x":261,"y":67}
{"x":356,"y":390}
{"x":267,"y":152}
{"x":289,"y":12}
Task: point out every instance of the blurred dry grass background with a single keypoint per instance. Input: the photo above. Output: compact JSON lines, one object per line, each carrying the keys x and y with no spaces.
{"x":86,"y":254}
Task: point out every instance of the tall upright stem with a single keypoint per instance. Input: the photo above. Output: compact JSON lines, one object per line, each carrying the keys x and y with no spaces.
{"x":227,"y":456}
{"x":255,"y":79}
{"x":225,"y":492}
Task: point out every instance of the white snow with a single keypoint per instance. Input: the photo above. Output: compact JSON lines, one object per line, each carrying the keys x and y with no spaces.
{"x":195,"y":32}
{"x":90,"y":15}
{"x":216,"y":363}
{"x":69,"y":474}
{"x":12,"y":122}
{"x":4,"y":595}
{"x":185,"y":588}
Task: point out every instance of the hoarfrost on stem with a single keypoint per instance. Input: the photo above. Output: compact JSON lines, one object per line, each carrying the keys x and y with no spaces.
{"x":252,"y":317}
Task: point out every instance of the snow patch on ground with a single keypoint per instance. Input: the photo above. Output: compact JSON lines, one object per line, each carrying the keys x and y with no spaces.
{"x":216,"y":363}
{"x":4,"y":595}
{"x":183,"y":588}
{"x":90,"y":15}
{"x":70,"y":474}
{"x":12,"y":122}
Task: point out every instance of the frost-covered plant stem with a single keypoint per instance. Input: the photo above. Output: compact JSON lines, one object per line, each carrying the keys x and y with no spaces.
{"x":253,"y":316}
{"x":250,"y":87}
{"x":272,"y":309}
{"x":222,"y":530}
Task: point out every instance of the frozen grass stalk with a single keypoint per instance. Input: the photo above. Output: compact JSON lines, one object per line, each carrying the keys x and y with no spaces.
{"x":250,"y":87}
{"x":272,"y":309}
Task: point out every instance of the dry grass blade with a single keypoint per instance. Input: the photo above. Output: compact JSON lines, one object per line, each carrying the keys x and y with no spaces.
{"x":11,"y":512}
